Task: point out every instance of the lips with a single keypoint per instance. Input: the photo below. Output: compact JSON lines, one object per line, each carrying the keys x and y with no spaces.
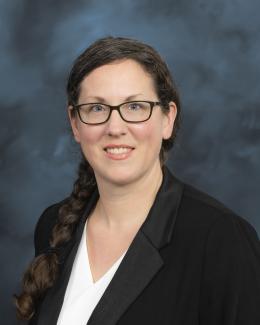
{"x":117,"y":147}
{"x":118,"y":152}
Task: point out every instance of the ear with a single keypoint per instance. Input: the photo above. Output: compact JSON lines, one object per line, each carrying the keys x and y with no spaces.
{"x":74,"y":123}
{"x":168,"y":121}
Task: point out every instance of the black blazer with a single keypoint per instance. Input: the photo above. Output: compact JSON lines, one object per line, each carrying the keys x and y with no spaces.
{"x":192,"y":262}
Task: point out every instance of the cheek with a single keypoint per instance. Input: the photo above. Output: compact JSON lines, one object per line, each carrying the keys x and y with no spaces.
{"x":90,"y":135}
{"x":148,"y":133}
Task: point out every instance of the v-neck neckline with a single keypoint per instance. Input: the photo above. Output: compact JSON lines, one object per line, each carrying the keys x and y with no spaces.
{"x":89,"y":273}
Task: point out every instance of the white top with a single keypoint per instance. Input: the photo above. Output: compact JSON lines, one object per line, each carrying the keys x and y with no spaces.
{"x":82,"y":294}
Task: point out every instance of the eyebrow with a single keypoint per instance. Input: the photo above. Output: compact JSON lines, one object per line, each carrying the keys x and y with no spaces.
{"x":103,"y":100}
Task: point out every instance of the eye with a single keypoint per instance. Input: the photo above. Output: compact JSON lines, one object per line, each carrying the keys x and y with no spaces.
{"x":135,"y":106}
{"x":96,"y":108}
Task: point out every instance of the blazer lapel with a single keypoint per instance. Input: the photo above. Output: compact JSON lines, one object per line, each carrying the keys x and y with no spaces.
{"x":140,"y":264}
{"x":142,"y":260}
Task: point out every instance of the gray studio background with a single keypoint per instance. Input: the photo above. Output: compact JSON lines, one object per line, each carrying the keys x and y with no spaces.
{"x":211,"y":46}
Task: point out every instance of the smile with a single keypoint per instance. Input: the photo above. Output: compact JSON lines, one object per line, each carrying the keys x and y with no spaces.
{"x":118,"y":150}
{"x":119,"y":153}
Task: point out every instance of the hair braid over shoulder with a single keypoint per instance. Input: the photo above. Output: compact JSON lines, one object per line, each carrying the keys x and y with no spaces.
{"x":43,"y":270}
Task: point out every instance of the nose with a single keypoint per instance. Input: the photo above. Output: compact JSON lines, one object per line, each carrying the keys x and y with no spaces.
{"x":116,"y":125}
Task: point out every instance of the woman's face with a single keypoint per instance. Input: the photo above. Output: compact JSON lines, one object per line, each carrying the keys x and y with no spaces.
{"x":114,"y":84}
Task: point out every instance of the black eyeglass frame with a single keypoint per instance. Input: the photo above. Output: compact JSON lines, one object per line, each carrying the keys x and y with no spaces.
{"x":117,"y":108}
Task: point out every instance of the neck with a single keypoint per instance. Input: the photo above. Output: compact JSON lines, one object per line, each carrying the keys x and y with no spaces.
{"x":127,"y":207}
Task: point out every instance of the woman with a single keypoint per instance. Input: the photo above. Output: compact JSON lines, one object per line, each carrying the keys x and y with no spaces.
{"x":133,"y":244}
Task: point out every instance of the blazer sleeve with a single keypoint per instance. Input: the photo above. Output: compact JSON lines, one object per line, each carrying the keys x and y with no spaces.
{"x":230,"y":285}
{"x":44,"y":226}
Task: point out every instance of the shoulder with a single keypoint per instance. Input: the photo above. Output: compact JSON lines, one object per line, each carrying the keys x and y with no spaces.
{"x":196,"y":200}
{"x":229,"y":250}
{"x":45,"y":224}
{"x":229,"y":241}
{"x":209,"y":209}
{"x":202,"y":216}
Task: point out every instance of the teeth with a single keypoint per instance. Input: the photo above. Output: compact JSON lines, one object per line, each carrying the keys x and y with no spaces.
{"x":118,"y":150}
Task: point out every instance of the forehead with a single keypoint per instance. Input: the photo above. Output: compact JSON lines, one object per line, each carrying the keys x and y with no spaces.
{"x":119,"y":78}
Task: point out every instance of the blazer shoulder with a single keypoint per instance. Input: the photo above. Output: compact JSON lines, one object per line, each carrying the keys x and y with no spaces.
{"x":230,"y":278}
{"x":204,"y":199}
{"x":44,"y":226}
{"x":208,"y":210}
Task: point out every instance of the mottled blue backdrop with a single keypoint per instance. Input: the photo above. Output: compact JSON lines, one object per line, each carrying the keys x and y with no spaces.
{"x":212,"y":48}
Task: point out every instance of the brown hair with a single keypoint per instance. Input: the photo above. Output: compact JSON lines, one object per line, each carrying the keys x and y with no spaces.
{"x":43,"y":270}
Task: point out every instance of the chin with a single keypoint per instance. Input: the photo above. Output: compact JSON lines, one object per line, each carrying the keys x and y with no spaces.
{"x":123,"y":178}
{"x":119,"y":177}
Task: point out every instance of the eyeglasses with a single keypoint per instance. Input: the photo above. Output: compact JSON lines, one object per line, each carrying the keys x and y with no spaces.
{"x":132,"y":112}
